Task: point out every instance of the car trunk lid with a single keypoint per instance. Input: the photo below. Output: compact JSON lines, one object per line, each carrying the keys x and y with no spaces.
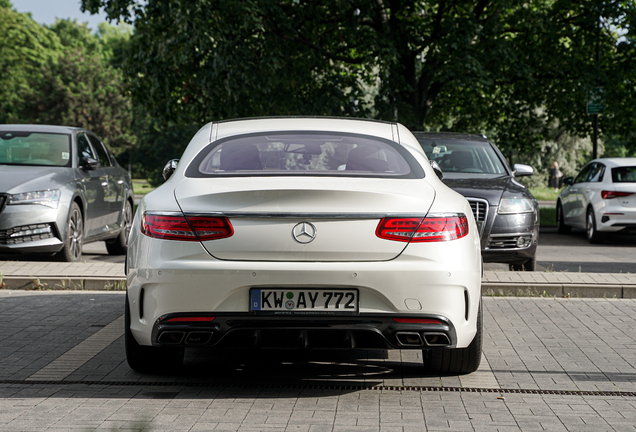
{"x":304,"y":218}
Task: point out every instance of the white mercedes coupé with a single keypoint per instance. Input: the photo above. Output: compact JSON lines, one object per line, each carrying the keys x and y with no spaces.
{"x":304,"y":233}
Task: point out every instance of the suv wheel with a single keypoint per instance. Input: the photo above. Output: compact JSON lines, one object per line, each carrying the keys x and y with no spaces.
{"x":529,"y":265}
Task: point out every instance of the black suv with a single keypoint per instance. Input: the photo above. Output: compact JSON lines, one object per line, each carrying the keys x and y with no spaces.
{"x":505,"y":211}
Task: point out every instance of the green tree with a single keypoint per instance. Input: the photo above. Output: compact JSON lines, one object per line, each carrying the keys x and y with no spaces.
{"x":25,"y":46}
{"x":466,"y":64}
{"x":83,"y":91}
{"x":62,"y":75}
{"x":76,"y":35}
{"x":115,"y":41}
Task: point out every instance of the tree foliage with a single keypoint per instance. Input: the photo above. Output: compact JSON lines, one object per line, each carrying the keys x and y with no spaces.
{"x":509,"y":67}
{"x":62,"y":75}
{"x":25,"y":46}
{"x":81,"y":90}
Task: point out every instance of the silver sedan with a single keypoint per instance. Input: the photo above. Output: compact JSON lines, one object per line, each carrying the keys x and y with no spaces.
{"x":60,"y":187}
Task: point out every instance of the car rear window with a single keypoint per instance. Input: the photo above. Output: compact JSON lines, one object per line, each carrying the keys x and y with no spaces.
{"x":463,"y":156}
{"x":305,"y":153}
{"x":31,"y":148}
{"x":624,"y":174}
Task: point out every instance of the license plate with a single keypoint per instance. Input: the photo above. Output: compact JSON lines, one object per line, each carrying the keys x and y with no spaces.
{"x":299,"y":301}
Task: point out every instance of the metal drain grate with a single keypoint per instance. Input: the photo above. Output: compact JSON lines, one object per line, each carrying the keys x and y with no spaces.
{"x":323,"y":387}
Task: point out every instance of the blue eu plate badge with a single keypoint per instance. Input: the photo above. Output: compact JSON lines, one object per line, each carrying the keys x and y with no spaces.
{"x":256,"y":300}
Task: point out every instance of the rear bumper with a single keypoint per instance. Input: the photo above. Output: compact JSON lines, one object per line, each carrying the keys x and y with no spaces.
{"x":615,"y":219}
{"x":166,"y":278}
{"x":365,"y":331}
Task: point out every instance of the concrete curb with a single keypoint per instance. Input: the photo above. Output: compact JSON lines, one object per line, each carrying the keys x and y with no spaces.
{"x":558,"y":290}
{"x":72,"y":284}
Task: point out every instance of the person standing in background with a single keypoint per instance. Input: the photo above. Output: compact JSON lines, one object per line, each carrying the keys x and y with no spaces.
{"x":555,"y":176}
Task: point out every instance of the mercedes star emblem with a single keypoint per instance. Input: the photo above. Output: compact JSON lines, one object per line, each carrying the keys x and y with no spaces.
{"x":304,"y":232}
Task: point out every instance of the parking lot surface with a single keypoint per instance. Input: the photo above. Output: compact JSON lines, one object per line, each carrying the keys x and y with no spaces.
{"x":549,"y":364}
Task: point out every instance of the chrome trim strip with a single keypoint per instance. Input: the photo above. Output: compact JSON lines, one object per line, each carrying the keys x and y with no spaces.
{"x":321,"y":215}
{"x":159,"y":213}
{"x":528,"y":233}
{"x":305,"y":215}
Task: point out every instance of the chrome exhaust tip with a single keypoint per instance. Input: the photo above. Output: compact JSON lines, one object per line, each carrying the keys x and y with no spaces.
{"x":198,"y":338}
{"x":409,"y":339}
{"x":436,"y":339}
{"x":171,"y":337}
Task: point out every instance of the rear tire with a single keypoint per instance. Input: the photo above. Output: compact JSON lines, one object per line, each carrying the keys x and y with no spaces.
{"x":562,"y":228}
{"x":149,"y":359}
{"x":72,"y":250}
{"x":120,"y":244}
{"x":457,"y":361}
{"x":593,"y":236}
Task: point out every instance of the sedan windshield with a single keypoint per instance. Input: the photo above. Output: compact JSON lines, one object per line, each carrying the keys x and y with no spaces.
{"x":304,"y":153}
{"x":35,"y":148}
{"x":463,"y":156}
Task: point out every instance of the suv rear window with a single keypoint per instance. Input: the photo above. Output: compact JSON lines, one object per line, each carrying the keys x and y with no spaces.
{"x":624,"y":174}
{"x":304,"y":153}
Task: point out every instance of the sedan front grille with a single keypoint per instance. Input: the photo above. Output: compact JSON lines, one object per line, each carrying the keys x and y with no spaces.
{"x":26,"y":233}
{"x":480,"y":209}
{"x":480,"y":212}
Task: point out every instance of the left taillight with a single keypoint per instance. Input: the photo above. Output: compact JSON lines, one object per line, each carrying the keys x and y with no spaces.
{"x":418,"y":230}
{"x":194,"y":228}
{"x":614,"y":194}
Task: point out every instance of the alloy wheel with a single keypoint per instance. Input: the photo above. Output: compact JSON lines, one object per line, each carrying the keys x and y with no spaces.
{"x":590,"y":225}
{"x":127,"y":221}
{"x":75,"y":234}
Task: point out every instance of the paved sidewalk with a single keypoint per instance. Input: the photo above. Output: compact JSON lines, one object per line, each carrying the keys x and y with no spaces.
{"x":548,"y":364}
{"x":109,"y":276}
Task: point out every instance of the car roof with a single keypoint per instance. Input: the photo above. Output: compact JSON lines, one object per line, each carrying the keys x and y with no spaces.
{"x":38,"y":128}
{"x":455,"y":136}
{"x":331,"y":124}
{"x":618,"y":161}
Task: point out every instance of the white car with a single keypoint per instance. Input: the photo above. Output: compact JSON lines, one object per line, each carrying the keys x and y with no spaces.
{"x":600,"y":199}
{"x":304,"y":233}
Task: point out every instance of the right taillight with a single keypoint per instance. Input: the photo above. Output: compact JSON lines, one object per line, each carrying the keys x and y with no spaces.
{"x":194,"y":228}
{"x":614,"y":194}
{"x":418,"y":230}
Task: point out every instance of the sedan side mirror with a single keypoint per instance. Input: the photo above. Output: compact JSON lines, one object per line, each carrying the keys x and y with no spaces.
{"x":89,"y":163}
{"x":437,"y":169}
{"x":521,"y":170}
{"x":169,"y":169}
{"x":568,"y":181}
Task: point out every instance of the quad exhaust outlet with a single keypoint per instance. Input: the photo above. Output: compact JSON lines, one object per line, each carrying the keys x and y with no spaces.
{"x":432,"y":339}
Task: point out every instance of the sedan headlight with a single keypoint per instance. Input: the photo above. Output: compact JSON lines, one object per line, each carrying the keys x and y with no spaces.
{"x":49,"y":198}
{"x":515,"y":205}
